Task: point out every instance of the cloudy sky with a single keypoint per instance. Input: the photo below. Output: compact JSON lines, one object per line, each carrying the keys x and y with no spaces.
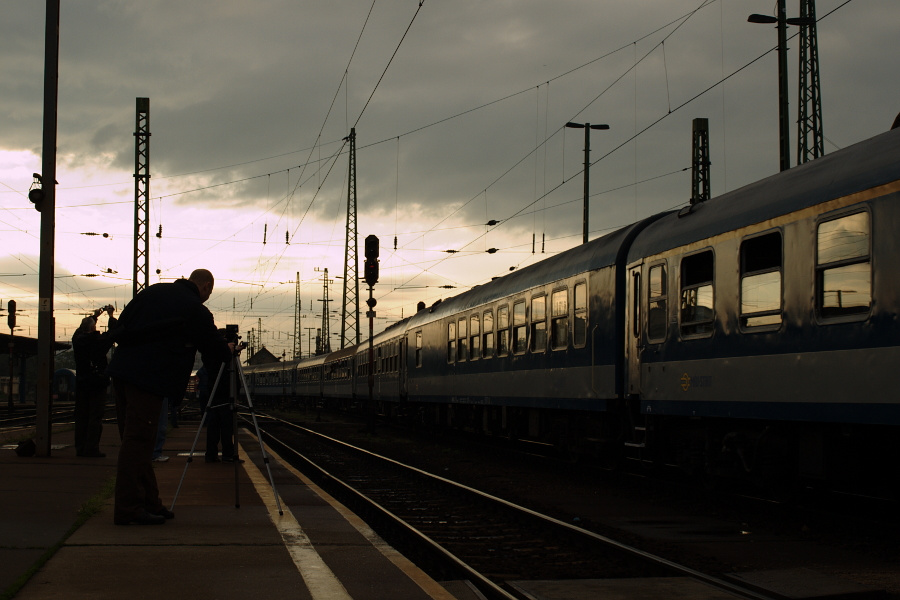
{"x":459,"y":110}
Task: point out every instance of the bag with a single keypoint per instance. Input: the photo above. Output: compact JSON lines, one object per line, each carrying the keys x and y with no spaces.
{"x":26,"y":448}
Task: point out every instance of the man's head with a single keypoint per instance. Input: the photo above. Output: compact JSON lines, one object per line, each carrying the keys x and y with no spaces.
{"x":204,"y":281}
{"x":88,"y":324}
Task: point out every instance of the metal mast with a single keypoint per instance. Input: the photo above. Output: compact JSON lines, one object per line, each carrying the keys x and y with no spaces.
{"x":700,"y":162}
{"x":141,"y":196}
{"x":323,"y":344}
{"x":350,"y":305}
{"x":298,"y":348}
{"x":46,"y":327}
{"x":810,"y":140}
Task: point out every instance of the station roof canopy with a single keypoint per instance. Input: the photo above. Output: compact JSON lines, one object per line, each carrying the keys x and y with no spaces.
{"x":26,"y":345}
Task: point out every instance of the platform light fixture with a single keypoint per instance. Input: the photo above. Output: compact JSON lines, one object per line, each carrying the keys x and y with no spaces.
{"x":587,"y":169}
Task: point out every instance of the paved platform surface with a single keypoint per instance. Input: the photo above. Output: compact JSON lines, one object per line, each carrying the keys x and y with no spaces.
{"x":211,"y":549}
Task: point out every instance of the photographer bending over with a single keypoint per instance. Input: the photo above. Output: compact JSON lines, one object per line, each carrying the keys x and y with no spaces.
{"x":158,"y":335}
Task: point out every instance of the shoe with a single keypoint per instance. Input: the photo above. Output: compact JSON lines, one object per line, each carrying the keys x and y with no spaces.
{"x":231,"y":459}
{"x":161,"y":458}
{"x":163,"y":512}
{"x":212,"y":459}
{"x":142,"y":518}
{"x":93,"y":454}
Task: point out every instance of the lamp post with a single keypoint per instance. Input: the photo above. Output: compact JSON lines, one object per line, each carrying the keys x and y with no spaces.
{"x":784,"y":131}
{"x":587,"y":169}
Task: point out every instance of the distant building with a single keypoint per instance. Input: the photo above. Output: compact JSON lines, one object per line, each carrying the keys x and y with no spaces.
{"x":263,"y":357}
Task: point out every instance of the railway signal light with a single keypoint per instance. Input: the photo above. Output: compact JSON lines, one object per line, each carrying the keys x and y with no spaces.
{"x":371,"y":266}
{"x":11,"y":316}
{"x":35,"y":193}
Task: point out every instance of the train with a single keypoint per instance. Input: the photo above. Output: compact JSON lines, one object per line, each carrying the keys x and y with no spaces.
{"x":755,"y":336}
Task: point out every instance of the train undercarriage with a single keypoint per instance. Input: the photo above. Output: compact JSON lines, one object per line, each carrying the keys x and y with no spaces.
{"x":760,"y":455}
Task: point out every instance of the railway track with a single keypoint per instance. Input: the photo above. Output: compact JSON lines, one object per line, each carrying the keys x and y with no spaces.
{"x":23,"y":418}
{"x":460,"y":531}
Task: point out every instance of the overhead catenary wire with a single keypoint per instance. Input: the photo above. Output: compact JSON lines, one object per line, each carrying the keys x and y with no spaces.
{"x":543,"y":196}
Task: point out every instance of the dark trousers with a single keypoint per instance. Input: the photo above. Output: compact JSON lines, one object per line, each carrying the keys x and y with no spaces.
{"x":219,"y":428}
{"x":89,"y":407}
{"x":137,"y":413}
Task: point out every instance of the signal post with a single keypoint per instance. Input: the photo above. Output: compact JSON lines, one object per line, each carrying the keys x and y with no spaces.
{"x":371,"y":275}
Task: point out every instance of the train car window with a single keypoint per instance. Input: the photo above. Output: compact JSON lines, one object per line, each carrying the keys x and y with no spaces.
{"x":502,"y":330}
{"x":657,"y":307}
{"x":474,"y":337}
{"x":697,"y":293}
{"x":487,"y":335}
{"x":418,"y":349}
{"x":559,"y":319}
{"x":761,"y":266}
{"x":520,"y":327}
{"x":539,"y":324}
{"x":451,"y":341}
{"x":579,"y":324}
{"x":461,"y":346}
{"x":843,"y":266}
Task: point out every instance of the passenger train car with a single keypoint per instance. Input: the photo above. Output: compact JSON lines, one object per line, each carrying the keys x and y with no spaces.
{"x":755,"y":334}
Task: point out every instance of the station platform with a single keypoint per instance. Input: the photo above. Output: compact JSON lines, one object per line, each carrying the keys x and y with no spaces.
{"x":211,"y":550}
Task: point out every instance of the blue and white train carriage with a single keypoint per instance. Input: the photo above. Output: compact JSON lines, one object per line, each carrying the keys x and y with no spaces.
{"x":756,"y":333}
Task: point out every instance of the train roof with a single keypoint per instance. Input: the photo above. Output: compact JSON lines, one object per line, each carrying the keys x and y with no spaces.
{"x":864,"y":165}
{"x":311,"y":361}
{"x":596,"y":254}
{"x":342,"y":353}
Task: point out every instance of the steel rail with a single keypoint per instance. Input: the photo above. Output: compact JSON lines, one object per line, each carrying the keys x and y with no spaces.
{"x":658,"y":560}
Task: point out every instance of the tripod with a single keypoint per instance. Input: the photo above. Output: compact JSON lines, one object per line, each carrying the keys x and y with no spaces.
{"x":233,"y":373}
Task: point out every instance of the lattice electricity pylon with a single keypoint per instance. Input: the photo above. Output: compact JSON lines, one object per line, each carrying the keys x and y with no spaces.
{"x":141,"y":196}
{"x":323,"y":344}
{"x":350,"y":305}
{"x":298,"y":347}
{"x":700,"y":162}
{"x":810,"y":138}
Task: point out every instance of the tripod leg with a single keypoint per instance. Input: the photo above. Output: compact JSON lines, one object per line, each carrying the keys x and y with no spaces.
{"x":190,"y":458}
{"x":234,"y":432}
{"x":262,"y":447}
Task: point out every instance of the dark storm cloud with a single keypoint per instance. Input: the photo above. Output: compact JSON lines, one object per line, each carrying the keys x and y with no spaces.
{"x":232,"y":83}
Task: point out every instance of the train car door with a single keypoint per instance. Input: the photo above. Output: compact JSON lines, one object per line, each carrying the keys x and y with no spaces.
{"x":633,"y":331}
{"x":401,"y":366}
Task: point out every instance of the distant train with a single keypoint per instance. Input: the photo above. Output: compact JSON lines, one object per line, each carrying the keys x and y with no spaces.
{"x":754,"y":335}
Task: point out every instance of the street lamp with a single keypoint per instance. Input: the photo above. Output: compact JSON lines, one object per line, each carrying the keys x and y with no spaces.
{"x":784,"y":132}
{"x":587,"y":167}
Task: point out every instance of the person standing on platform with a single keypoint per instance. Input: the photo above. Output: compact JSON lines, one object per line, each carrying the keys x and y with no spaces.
{"x":90,"y":348}
{"x":220,"y":416}
{"x":158,"y":335}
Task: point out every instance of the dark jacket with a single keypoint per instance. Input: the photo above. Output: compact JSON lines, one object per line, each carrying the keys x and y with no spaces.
{"x":90,"y":349}
{"x":158,"y":335}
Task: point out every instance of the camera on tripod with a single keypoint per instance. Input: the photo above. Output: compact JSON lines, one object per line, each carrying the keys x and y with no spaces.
{"x":231,"y":334}
{"x":232,"y":337}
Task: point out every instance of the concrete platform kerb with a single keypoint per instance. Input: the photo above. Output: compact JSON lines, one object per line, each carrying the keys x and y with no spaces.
{"x":211,"y":549}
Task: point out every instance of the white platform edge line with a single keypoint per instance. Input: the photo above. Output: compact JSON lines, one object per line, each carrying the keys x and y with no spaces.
{"x":320,"y":580}
{"x":417,"y":575}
